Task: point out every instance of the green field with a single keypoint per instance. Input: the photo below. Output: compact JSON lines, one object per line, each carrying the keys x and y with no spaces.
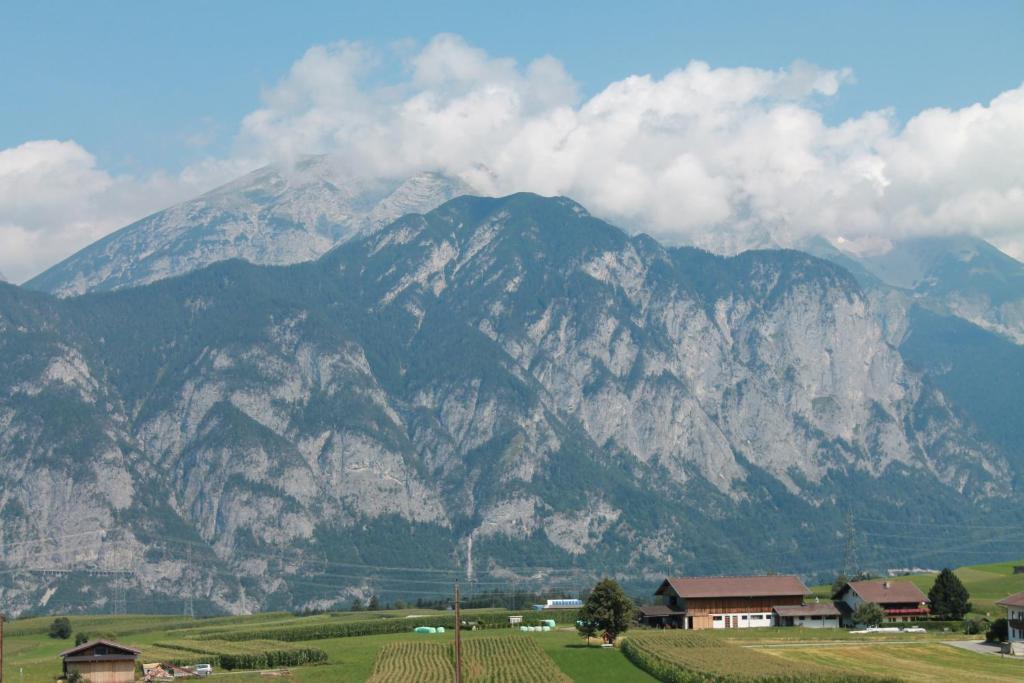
{"x":906,"y":661}
{"x":277,"y":637}
{"x":987,"y":583}
{"x":562,"y":652}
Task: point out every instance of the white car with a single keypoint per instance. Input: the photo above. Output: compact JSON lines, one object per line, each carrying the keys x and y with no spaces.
{"x":203,"y":669}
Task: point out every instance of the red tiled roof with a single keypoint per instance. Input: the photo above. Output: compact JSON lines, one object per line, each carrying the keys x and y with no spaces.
{"x":822,"y":609}
{"x":1015,"y":600}
{"x":734,"y":586}
{"x":884,"y":591}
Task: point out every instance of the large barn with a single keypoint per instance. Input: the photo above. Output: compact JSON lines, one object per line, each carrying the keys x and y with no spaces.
{"x":699,"y":602}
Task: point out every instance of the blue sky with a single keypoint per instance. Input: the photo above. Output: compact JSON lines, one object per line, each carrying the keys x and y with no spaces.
{"x":132,"y":82}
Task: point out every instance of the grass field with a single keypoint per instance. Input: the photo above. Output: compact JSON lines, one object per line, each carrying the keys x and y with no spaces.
{"x":906,"y":661}
{"x":696,"y":655}
{"x":987,"y":583}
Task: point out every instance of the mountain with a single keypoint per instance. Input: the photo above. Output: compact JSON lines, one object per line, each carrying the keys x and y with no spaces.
{"x":958,"y":275}
{"x":501,"y":389}
{"x":274,"y":215}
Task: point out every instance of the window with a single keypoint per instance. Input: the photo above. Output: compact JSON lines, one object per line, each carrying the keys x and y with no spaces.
{"x":718,"y":618}
{"x":816,"y":618}
{"x":744,"y":617}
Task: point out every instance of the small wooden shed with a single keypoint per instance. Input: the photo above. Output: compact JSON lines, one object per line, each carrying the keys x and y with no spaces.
{"x":102,"y":661}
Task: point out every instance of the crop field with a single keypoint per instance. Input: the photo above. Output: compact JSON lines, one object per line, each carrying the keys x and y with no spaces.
{"x":413,"y":662}
{"x":681,"y":656}
{"x":504,"y":659}
{"x":510,"y":659}
{"x":931,"y":662}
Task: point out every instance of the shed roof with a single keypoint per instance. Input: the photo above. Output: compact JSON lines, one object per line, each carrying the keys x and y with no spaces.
{"x":885,"y":591}
{"x":658,"y":611}
{"x":1015,"y":600}
{"x":734,"y":586}
{"x":93,"y":643}
{"x":820,"y":609}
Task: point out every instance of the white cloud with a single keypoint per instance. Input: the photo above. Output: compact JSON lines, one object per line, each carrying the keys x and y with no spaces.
{"x":54,"y":201}
{"x":726,"y":158}
{"x":721,"y":157}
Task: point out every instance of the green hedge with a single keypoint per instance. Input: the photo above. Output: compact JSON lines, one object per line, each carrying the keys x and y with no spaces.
{"x":264,"y":659}
{"x":324,"y":630}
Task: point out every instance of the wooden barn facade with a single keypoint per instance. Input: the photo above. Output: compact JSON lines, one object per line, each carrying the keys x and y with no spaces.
{"x":701,"y":602}
{"x":101,"y":661}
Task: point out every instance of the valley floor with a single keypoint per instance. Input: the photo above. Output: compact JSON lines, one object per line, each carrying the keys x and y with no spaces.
{"x":912,"y":657}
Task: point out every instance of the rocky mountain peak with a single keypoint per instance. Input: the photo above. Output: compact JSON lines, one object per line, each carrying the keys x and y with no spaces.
{"x":275,"y":215}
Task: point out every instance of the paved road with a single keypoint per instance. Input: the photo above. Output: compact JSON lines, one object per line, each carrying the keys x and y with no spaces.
{"x":976,"y":646}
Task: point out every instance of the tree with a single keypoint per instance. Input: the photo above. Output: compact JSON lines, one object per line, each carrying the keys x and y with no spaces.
{"x":949,"y":597}
{"x":869,"y":614}
{"x":60,"y":628}
{"x":357,"y":605}
{"x":75,"y":677}
{"x":841,"y":580}
{"x":81,"y":638}
{"x":607,"y":609}
{"x":999,"y":632}
{"x":374,"y":603}
{"x":585,"y":627}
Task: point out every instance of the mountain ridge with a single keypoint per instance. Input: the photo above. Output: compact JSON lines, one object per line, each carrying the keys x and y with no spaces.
{"x":274,"y":215}
{"x":498,"y":383}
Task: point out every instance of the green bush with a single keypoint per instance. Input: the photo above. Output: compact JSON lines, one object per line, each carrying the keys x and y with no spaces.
{"x":60,"y":628}
{"x":973,"y":627}
{"x":999,"y":632}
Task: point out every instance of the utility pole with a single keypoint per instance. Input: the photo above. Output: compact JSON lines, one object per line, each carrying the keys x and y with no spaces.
{"x":1,"y":648}
{"x":458,"y":637}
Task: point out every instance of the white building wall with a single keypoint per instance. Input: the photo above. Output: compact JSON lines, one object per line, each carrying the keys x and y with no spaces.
{"x":742,"y":620}
{"x":1016,"y":634}
{"x":809,"y":622}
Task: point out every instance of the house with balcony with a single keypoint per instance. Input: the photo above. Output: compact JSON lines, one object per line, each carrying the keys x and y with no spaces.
{"x":900,"y":600}
{"x":1015,"y":622}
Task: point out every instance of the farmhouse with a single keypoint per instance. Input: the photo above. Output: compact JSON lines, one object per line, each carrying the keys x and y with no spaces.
{"x":1015,"y":621}
{"x":101,"y":661}
{"x":900,"y":600}
{"x":722,"y":601}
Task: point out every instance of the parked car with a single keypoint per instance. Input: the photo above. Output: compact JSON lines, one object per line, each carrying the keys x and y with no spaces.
{"x":203,"y":669}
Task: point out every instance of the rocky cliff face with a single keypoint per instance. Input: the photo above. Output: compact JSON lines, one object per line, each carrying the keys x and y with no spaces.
{"x":275,"y":215}
{"x":499,"y":388}
{"x":957,"y":275}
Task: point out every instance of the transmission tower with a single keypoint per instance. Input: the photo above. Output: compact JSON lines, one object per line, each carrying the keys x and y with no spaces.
{"x":189,"y":605}
{"x":850,"y":560}
{"x":120,"y":594}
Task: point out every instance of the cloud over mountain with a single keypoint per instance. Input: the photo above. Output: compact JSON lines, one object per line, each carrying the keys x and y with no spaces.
{"x":722,"y":157}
